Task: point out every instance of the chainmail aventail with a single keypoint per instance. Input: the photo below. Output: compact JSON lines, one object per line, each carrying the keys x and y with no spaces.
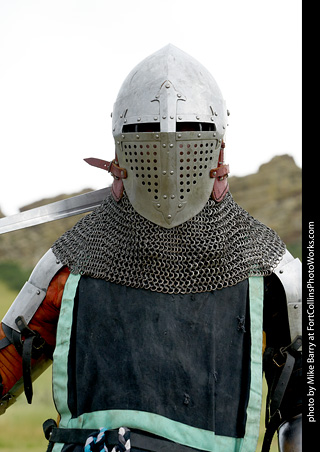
{"x":217,"y":248}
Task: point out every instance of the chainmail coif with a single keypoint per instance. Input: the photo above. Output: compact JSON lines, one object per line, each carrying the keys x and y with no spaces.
{"x":217,"y":248}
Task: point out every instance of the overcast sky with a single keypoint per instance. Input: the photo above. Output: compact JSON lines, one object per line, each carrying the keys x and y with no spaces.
{"x":62,"y":63}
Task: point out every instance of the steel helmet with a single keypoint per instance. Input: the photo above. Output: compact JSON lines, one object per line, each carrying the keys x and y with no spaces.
{"x":169,"y":120}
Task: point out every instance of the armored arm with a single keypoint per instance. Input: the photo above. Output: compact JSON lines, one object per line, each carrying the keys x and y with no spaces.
{"x":27,"y":332}
{"x":282,"y":357}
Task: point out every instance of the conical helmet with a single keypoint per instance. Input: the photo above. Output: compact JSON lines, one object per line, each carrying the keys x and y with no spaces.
{"x":169,"y":120}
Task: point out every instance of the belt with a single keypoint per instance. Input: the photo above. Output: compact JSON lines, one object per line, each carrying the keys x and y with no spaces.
{"x":137,"y":440}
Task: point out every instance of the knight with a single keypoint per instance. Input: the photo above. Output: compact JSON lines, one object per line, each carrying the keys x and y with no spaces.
{"x":161,"y":308}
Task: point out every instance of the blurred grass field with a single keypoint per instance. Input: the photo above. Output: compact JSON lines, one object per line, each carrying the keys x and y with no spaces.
{"x":21,"y":425}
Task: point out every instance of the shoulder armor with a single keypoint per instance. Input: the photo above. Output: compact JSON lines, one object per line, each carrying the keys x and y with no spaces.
{"x":34,"y":291}
{"x":289,"y":272}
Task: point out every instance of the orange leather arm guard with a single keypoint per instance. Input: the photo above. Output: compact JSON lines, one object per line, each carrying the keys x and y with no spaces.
{"x":44,"y":323}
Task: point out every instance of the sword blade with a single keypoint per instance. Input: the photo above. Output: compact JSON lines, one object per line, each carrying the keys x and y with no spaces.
{"x":54,"y":211}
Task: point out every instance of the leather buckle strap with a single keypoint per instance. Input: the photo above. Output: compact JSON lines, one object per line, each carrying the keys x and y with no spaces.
{"x":220,"y":173}
{"x":112,"y":167}
{"x":31,"y":346}
{"x":275,"y":418}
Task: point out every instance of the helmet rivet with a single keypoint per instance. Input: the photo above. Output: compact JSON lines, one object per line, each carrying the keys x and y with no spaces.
{"x":165,"y":196}
{"x":122,"y":136}
{"x":138,"y":119}
{"x":158,"y":205}
{"x":179,"y":95}
{"x":157,"y":136}
{"x":197,"y":117}
{"x":163,"y":117}
{"x":171,"y":172}
{"x":171,"y":117}
{"x":180,"y":117}
{"x":167,"y":85}
{"x":155,"y":118}
{"x":215,"y":113}
{"x":137,"y":136}
{"x":172,"y":196}
{"x":212,"y":118}
{"x":179,"y":205}
{"x":125,"y":120}
{"x":214,"y":134}
{"x":121,"y":116}
{"x":164,"y":172}
{"x":171,"y":145}
{"x":228,"y":112}
{"x":114,"y":129}
{"x":179,"y":135}
{"x":169,"y":216}
{"x":199,"y":135}
{"x":164,"y":145}
{"x":118,"y":142}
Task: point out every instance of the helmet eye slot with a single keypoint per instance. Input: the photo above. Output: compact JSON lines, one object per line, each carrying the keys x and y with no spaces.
{"x":141,"y":127}
{"x":195,"y":127}
{"x":180,"y":127}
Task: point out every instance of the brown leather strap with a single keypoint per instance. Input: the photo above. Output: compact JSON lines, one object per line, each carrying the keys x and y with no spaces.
{"x":221,"y":172}
{"x":221,"y":186}
{"x":111,"y":167}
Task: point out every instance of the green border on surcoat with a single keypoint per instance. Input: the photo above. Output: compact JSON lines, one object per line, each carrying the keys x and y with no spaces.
{"x":160,"y":425}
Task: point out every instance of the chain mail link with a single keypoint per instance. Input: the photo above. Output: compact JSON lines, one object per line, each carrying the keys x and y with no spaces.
{"x":219,"y":247}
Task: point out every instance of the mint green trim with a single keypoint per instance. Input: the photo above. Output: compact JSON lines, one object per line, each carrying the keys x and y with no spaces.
{"x":160,"y":425}
{"x":256,"y":293}
{"x":60,"y":356}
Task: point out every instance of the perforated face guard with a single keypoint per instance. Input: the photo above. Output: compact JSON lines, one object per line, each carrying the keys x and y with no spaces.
{"x":168,"y":174}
